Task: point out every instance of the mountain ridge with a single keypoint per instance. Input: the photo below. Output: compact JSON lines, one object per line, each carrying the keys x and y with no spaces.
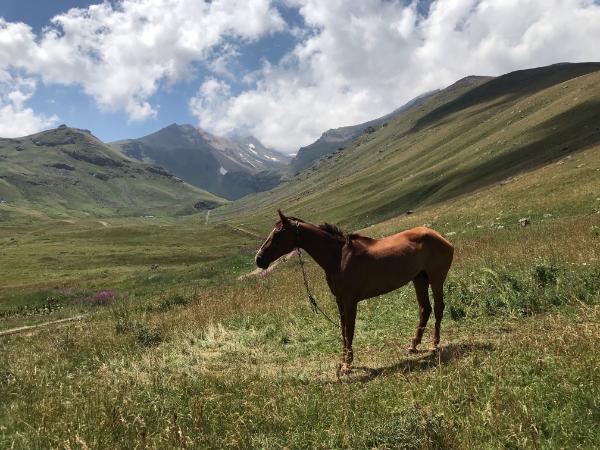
{"x":228,"y":167}
{"x":336,"y":138}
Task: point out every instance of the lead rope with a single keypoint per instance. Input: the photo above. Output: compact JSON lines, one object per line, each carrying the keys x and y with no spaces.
{"x":312,"y":300}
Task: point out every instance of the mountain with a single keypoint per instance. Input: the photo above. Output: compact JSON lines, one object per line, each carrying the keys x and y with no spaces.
{"x":228,"y":167}
{"x":338,"y":138}
{"x":70,"y":171}
{"x":479,"y":133}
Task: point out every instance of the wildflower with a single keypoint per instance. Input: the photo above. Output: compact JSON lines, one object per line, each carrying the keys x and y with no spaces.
{"x":101,"y":297}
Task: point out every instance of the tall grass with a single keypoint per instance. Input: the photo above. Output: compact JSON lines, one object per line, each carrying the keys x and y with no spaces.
{"x":245,"y":364}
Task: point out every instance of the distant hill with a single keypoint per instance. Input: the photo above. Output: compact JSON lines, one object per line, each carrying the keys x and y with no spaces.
{"x":477,"y":133}
{"x":337,"y":138}
{"x":70,"y":171}
{"x":228,"y":167}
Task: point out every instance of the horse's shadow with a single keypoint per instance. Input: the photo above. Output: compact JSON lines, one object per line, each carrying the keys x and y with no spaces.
{"x":424,"y":360}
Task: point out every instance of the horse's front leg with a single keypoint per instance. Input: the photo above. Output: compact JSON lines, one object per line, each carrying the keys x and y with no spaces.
{"x":347,"y":308}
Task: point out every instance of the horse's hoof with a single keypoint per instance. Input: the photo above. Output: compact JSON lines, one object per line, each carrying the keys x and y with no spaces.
{"x":343,"y":369}
{"x":413,"y":350}
{"x":434,"y":349}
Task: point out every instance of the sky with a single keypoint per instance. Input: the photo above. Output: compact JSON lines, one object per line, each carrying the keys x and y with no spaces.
{"x":284,"y":71}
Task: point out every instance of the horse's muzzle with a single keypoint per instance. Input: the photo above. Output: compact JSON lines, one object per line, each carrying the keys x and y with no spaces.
{"x":260,"y":262}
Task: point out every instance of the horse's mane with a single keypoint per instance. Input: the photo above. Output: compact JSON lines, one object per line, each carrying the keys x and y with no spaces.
{"x":331,"y":229}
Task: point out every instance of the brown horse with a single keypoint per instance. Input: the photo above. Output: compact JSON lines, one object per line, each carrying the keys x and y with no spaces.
{"x":359,"y":267}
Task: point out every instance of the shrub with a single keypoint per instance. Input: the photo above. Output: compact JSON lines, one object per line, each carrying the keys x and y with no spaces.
{"x":456,"y":312}
{"x":148,"y":336}
{"x":122,"y":319}
{"x":50,"y":305}
{"x":545,"y":275}
{"x":122,"y":325}
{"x":100,"y":298}
{"x":170,"y":302}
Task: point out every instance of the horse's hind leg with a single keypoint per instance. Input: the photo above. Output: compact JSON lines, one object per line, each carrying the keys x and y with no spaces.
{"x":437,"y":287}
{"x":421,"y":283}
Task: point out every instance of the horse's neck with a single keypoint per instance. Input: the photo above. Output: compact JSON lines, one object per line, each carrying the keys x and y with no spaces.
{"x":323,"y":248}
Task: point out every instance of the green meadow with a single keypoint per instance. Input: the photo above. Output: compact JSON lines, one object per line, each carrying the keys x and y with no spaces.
{"x":187,"y":356}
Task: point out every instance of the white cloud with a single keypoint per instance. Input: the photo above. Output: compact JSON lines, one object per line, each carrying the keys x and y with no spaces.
{"x":211,"y":100}
{"x":366,"y":57}
{"x":15,"y":118}
{"x":121,"y":53}
{"x":354,"y":60}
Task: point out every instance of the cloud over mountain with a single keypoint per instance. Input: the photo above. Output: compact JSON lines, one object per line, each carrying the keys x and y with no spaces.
{"x":363,"y":58}
{"x":16,"y":119}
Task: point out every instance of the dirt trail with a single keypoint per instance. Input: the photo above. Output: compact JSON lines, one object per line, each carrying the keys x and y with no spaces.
{"x":40,"y":325}
{"x":243,"y":231}
{"x":73,"y":222}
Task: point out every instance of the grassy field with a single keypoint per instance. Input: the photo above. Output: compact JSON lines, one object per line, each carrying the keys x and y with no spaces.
{"x":193,"y":358}
{"x":56,"y":266}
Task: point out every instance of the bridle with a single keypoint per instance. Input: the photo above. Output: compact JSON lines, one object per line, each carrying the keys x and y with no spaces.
{"x":312,"y":300}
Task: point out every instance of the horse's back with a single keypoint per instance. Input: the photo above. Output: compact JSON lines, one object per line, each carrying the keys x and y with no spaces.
{"x":375,"y":266}
{"x":417,"y":235}
{"x":425,"y":247}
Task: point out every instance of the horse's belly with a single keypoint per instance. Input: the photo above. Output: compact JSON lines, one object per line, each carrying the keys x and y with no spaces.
{"x":379,"y":278}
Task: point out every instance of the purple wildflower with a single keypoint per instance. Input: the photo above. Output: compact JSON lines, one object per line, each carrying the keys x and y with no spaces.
{"x":101,"y":297}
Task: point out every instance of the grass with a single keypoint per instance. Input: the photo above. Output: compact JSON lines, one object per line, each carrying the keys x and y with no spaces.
{"x":245,"y":364}
{"x":60,"y":263}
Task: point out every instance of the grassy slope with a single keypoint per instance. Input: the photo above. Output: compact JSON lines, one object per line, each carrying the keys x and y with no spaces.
{"x":336,"y":138}
{"x":434,"y":153}
{"x":196,"y":359}
{"x":97,"y":180}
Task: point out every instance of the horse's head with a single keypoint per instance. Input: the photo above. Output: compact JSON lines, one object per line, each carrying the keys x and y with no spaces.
{"x":281,"y":241}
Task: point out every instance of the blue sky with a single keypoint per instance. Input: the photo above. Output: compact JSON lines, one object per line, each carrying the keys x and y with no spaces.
{"x":283,"y":70}
{"x":77,"y":109}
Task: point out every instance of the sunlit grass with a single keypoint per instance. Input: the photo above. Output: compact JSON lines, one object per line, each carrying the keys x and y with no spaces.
{"x":246,"y":364}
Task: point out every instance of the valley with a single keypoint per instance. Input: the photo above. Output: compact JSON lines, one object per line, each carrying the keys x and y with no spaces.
{"x":177,"y":351}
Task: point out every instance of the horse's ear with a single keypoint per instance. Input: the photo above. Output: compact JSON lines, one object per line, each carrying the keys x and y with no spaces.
{"x":284,"y":220}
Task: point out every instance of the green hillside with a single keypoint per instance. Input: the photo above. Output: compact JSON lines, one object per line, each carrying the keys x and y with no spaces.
{"x":338,"y":138}
{"x":477,"y":133}
{"x":67,"y":171}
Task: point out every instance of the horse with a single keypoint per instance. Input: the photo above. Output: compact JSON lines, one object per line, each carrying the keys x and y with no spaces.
{"x":358,"y":267}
